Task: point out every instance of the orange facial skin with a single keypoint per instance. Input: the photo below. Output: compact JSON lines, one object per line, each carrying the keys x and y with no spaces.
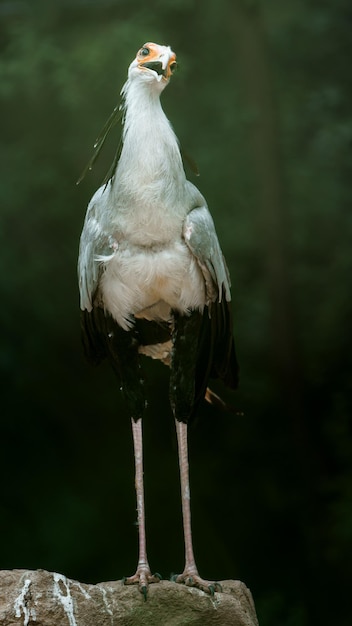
{"x":158,"y":58}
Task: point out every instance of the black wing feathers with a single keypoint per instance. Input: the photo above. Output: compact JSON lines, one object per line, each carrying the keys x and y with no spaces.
{"x":202,"y":348}
{"x":225,"y":365}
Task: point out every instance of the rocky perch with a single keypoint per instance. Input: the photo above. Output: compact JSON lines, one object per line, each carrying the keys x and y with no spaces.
{"x":40,"y":598}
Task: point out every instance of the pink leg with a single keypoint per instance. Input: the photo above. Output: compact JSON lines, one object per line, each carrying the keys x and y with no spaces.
{"x":143,"y":575}
{"x":190,"y":574}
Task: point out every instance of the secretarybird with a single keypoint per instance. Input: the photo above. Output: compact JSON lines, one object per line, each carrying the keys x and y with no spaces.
{"x":153,"y":280}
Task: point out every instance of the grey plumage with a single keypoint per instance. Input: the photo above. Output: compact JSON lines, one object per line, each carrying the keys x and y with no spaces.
{"x":152,"y":276}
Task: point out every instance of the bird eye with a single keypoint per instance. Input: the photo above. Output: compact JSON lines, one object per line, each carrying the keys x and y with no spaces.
{"x":173,"y":66}
{"x":144,"y":52}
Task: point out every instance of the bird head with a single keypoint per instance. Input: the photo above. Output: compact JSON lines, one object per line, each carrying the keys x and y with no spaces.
{"x":153,"y":64}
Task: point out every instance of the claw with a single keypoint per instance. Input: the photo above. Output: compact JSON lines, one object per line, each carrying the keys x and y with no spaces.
{"x":195,"y":580}
{"x":211,"y":589}
{"x":143,"y":578}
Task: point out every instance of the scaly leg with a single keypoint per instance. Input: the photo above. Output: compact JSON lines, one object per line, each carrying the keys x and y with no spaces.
{"x":190,"y":574}
{"x":143,"y":575}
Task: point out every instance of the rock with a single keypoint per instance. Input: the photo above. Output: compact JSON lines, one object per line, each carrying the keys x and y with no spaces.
{"x":41,"y":598}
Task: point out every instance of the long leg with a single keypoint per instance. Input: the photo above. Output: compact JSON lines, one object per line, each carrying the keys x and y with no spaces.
{"x":143,"y":575}
{"x":190,"y":574}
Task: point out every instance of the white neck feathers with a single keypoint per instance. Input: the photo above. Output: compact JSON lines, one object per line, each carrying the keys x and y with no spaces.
{"x":150,"y":151}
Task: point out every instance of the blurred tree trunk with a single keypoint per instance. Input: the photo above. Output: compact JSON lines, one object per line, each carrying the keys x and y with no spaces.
{"x":256,"y":85}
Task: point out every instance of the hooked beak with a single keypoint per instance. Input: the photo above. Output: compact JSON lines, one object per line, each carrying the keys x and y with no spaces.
{"x":156,"y":66}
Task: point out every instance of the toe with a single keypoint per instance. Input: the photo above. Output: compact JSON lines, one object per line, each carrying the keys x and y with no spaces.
{"x":194,"y":580}
{"x":143,"y":578}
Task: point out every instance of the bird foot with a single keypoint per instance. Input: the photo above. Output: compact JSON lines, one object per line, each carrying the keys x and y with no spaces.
{"x":192,"y":579}
{"x":143,"y":578}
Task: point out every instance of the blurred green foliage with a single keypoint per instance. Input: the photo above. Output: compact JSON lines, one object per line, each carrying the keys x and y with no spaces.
{"x":262,"y":102}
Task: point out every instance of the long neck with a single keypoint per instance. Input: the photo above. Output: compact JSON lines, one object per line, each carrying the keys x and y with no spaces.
{"x":150,"y":153}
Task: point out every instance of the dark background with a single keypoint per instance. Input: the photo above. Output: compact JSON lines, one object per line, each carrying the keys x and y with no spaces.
{"x":262,"y":101}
